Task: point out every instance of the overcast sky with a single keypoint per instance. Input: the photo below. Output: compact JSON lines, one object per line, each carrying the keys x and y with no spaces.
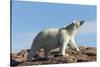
{"x":28,"y":18}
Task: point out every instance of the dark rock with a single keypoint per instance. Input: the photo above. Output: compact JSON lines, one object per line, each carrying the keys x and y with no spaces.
{"x":23,"y":53}
{"x":14,"y":62}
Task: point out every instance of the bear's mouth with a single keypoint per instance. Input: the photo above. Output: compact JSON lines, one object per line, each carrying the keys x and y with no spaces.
{"x":81,"y":22}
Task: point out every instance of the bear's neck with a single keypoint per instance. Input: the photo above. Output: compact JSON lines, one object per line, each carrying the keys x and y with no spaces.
{"x":71,"y":30}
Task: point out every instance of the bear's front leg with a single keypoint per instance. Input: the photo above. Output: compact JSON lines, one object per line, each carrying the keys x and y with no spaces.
{"x":73,"y":44}
{"x":63,"y":46}
{"x":64,"y":39}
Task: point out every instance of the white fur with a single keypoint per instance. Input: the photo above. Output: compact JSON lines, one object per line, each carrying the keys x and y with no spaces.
{"x":49,"y":39}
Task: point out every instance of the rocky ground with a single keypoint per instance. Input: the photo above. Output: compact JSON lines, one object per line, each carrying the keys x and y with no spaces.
{"x":86,"y":54}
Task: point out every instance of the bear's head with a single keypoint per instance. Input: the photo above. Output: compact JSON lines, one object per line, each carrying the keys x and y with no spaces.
{"x":75,"y":25}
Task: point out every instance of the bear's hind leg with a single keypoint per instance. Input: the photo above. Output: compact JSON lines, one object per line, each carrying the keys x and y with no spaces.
{"x":47,"y":54}
{"x":32,"y":52}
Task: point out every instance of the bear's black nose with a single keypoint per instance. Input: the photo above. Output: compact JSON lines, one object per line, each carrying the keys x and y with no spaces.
{"x":81,"y":22}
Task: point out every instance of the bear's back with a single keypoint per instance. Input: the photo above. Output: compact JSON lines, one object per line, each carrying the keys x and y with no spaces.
{"x":51,"y":31}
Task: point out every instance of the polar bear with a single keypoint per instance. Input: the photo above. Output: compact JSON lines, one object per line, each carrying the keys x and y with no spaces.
{"x":49,"y":39}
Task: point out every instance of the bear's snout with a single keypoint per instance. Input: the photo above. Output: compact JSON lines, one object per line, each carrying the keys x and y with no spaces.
{"x":81,"y":22}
